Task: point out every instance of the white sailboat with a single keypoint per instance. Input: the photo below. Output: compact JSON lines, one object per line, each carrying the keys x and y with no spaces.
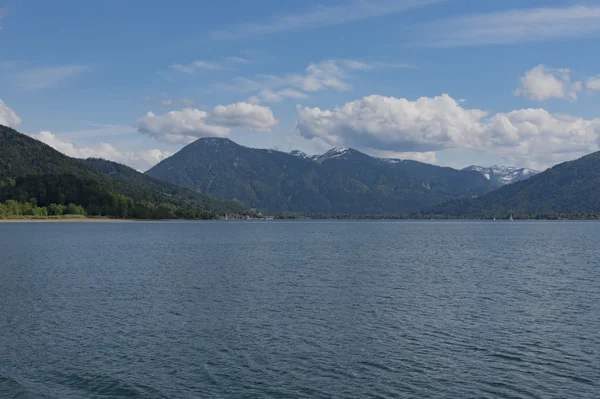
{"x":511,"y":218}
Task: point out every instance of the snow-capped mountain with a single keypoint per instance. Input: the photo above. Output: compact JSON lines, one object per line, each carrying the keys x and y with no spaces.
{"x":334,"y":153}
{"x":300,"y":154}
{"x":340,"y":153}
{"x":503,"y":175}
{"x":499,"y":175}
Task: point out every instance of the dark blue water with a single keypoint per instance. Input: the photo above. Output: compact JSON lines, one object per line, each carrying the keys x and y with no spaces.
{"x":300,"y":310}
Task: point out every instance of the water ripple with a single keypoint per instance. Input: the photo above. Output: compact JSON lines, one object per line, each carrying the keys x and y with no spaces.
{"x":305,"y":309}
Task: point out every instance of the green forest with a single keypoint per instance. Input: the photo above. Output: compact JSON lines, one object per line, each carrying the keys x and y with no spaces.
{"x":59,"y":195}
{"x":37,"y":181}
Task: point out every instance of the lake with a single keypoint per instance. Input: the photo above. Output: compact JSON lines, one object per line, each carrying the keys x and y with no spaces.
{"x":305,"y":309}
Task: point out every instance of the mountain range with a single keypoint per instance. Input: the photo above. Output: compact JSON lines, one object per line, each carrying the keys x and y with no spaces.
{"x":214,"y":176}
{"x":503,"y":175}
{"x":342,"y":180}
{"x":347,"y":181}
{"x":33,"y":172}
{"x":498,"y":175}
{"x":568,"y":188}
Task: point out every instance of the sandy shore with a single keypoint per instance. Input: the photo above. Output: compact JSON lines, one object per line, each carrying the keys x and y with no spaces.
{"x":66,"y":220}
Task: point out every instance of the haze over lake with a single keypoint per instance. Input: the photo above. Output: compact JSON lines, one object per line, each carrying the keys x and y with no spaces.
{"x":309,"y":309}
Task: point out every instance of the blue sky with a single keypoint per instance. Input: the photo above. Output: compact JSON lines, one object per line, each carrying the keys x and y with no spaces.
{"x":451,"y":82}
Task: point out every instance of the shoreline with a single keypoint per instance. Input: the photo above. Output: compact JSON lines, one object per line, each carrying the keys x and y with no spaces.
{"x":68,"y":220}
{"x":101,"y":220}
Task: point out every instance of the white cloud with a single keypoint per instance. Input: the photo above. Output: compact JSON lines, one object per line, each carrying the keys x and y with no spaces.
{"x":42,"y":78}
{"x":8,"y":117}
{"x":179,"y":126}
{"x":426,"y":157}
{"x":327,"y":74}
{"x":321,"y":16}
{"x":533,"y":137}
{"x":243,"y":115}
{"x":514,"y":26}
{"x":593,"y":83}
{"x":140,"y":160}
{"x":388,"y":123}
{"x":189,"y":124}
{"x":542,"y":83}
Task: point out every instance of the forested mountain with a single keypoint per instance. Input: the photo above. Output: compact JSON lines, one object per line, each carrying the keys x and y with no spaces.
{"x":503,"y":175}
{"x":136,"y":185}
{"x":20,"y":155}
{"x":404,"y":176}
{"x":33,"y":173}
{"x":340,"y":181}
{"x":37,"y":180}
{"x":568,"y":188}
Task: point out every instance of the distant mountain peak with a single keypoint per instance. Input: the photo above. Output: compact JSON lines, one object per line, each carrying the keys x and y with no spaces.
{"x":214,"y":140}
{"x":300,"y":154}
{"x":341,"y":153}
{"x":503,"y":175}
{"x":340,"y":150}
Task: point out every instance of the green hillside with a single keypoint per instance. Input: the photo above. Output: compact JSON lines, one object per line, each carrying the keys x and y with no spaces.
{"x":33,"y":173}
{"x":568,"y":188}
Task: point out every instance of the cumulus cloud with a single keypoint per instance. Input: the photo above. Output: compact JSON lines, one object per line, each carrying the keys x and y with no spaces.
{"x":243,"y":115}
{"x":8,"y":117}
{"x":327,"y":74}
{"x":384,"y":123}
{"x":593,"y":83}
{"x":533,"y":137}
{"x":190,"y":124}
{"x":140,"y":160}
{"x":543,"y":83}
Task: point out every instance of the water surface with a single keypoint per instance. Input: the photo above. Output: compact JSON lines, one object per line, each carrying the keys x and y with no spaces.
{"x":300,"y":310}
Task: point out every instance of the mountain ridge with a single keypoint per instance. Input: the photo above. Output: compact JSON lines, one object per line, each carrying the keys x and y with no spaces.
{"x":342,"y":180}
{"x":503,"y":175}
{"x":30,"y":169}
{"x":571,"y":187}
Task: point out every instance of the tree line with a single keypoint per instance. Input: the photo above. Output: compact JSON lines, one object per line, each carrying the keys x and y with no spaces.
{"x":56,"y":195}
